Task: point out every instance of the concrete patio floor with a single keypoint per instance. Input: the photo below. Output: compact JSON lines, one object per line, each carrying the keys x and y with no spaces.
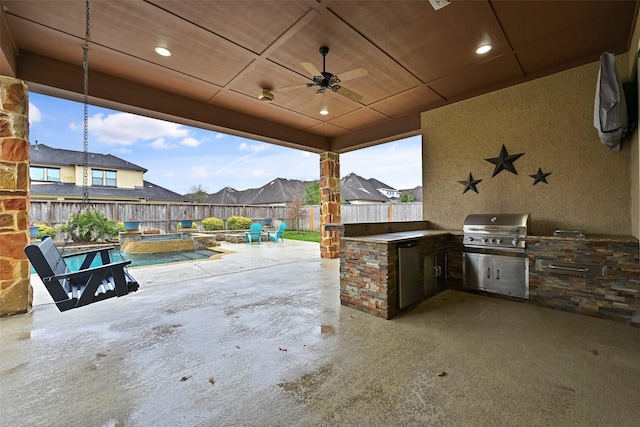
{"x":259,"y":338}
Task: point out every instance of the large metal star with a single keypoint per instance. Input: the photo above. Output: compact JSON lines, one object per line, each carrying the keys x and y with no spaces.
{"x":540,"y":177}
{"x":504,"y":162}
{"x":470,"y":184}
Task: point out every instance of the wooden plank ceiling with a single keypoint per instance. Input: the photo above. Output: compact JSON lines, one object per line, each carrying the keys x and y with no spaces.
{"x":224,"y":53}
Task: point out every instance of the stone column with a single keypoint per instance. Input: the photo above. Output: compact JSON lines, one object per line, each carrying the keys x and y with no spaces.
{"x":16,"y":294}
{"x":329,"y":204}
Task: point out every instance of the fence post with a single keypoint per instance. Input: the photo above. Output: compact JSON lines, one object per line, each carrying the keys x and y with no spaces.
{"x":168,"y":223}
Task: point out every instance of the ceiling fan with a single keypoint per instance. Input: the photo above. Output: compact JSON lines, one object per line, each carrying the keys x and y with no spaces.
{"x":325,"y":80}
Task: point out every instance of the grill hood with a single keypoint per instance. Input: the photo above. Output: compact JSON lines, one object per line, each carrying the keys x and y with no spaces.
{"x":496,"y":221}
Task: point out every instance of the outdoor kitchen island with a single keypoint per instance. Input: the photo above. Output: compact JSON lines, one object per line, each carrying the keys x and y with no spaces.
{"x":369,"y":260}
{"x":594,"y":275}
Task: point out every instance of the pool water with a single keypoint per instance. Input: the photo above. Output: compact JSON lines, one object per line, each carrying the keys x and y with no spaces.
{"x":138,"y":260}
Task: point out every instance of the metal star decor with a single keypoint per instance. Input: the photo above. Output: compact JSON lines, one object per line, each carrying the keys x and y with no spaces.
{"x":540,"y":177}
{"x":504,"y":162}
{"x":470,"y":184}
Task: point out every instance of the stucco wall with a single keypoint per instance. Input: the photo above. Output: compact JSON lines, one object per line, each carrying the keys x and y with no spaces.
{"x":125,"y":178}
{"x":635,"y":150}
{"x":129,"y":179}
{"x":550,"y":120}
{"x":67,"y":174}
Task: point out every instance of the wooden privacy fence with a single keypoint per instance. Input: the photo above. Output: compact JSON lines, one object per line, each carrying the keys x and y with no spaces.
{"x":165,"y":216}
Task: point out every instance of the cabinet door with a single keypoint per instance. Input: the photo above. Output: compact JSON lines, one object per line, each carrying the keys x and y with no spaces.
{"x":510,"y":276}
{"x":477,"y":271}
{"x":430,"y":275}
{"x":409,"y":275}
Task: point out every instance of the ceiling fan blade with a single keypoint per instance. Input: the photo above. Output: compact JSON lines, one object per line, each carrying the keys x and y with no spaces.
{"x":288,"y":88}
{"x":353,"y":74}
{"x":311,"y":68}
{"x":349,"y":94}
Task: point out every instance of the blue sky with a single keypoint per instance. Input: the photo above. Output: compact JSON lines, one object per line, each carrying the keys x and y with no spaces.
{"x":179,"y":157}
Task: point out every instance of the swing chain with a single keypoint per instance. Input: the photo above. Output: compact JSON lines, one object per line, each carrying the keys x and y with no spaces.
{"x":85,"y":67}
{"x":85,"y":135}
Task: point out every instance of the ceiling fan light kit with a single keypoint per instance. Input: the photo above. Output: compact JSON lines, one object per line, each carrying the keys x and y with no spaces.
{"x":326,"y":80}
{"x":266,"y":96}
{"x":439,"y":4}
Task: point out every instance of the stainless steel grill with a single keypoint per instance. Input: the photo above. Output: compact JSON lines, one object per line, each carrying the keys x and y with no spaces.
{"x":493,"y":271}
{"x":496,"y":231}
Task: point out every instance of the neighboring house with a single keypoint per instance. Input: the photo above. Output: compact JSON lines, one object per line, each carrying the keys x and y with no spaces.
{"x":57,"y":174}
{"x":226,"y":196}
{"x":280,"y":191}
{"x":385,"y":189}
{"x":355,"y":189}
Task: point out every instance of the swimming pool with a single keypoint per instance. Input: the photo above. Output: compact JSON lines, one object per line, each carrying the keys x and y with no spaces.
{"x":139,"y":260}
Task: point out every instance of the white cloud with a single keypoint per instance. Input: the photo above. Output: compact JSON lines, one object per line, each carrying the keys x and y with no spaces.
{"x":260,"y":173}
{"x":199,"y":172}
{"x":161,"y":144}
{"x":220,"y":135}
{"x":169,"y":174}
{"x":190,"y":142}
{"x":255,"y":148}
{"x":126,"y":129}
{"x":123,"y":151}
{"x":34,"y":114}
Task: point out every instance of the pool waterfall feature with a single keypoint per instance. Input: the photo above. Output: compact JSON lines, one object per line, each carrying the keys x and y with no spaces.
{"x":140,"y":243}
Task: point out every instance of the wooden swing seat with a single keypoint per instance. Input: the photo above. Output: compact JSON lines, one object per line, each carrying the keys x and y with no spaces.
{"x":73,"y":289}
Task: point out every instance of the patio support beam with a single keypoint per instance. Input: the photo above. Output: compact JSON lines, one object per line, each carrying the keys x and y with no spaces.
{"x":329,"y":204}
{"x":16,"y":294}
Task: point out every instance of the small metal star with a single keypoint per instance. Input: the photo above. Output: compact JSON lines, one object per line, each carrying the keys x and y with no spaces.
{"x":540,"y":177}
{"x":504,"y":162}
{"x":470,"y":184}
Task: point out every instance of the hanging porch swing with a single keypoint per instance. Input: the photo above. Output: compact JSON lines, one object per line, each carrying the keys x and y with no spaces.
{"x":72,"y":289}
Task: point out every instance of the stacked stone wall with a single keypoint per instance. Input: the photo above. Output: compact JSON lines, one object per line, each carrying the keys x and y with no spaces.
{"x":329,"y":204}
{"x":615,"y":295}
{"x":364,"y":277}
{"x":15,"y":289}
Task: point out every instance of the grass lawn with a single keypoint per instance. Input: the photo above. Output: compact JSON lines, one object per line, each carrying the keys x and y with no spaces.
{"x":307,"y":236}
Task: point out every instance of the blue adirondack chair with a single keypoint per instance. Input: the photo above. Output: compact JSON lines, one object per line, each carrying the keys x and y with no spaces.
{"x":254,"y":234}
{"x":278,"y":234}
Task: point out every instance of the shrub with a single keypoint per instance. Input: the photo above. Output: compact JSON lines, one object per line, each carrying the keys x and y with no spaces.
{"x":45,"y":230}
{"x":211,"y":224}
{"x":90,"y":226}
{"x":238,"y":223}
{"x":194,"y":226}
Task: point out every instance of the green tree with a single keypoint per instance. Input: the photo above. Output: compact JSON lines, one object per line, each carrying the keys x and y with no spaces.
{"x":198,"y":193}
{"x":312,"y":193}
{"x":407,"y":198}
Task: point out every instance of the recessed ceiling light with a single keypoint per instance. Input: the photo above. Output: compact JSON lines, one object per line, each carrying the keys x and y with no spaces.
{"x":483,"y":49}
{"x":163,"y":51}
{"x":324,"y":112}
